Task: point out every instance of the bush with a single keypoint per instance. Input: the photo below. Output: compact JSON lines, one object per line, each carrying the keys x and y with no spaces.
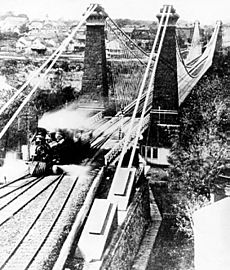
{"x":199,"y":150}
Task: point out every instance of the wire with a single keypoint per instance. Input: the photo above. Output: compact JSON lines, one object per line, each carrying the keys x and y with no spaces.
{"x":60,"y":50}
{"x":134,"y":43}
{"x":150,"y":87}
{"x":125,"y":45}
{"x":127,"y":137}
{"x":126,"y":61}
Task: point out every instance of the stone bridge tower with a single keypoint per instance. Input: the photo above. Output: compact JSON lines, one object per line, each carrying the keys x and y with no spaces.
{"x":94,"y":83}
{"x":165,"y":103}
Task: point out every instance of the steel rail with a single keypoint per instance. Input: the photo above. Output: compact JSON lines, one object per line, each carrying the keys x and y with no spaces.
{"x":31,"y":199}
{"x":21,"y":193}
{"x":14,"y":181}
{"x":52,"y":225}
{"x":17,"y":246}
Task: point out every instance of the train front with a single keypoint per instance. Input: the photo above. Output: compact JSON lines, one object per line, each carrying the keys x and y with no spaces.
{"x":59,"y":147}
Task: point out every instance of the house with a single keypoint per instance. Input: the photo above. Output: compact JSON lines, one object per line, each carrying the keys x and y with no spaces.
{"x":113,"y":49}
{"x":128,"y":30}
{"x":22,"y":44}
{"x":49,"y":29}
{"x":12,"y":23}
{"x":38,"y":46}
{"x":77,"y":44}
{"x":35,"y":26}
{"x":34,"y":42}
{"x":29,"y":44}
{"x":142,"y":37}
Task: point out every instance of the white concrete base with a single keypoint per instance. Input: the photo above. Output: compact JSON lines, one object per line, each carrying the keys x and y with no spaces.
{"x":92,"y":265}
{"x":162,"y":157}
{"x":121,"y":187}
{"x":101,"y":222}
{"x":121,"y":217}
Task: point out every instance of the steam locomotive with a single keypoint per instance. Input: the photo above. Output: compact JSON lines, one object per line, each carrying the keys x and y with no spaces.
{"x":61,"y":147}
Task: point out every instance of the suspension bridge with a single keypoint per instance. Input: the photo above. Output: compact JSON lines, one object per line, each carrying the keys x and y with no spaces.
{"x":134,"y":101}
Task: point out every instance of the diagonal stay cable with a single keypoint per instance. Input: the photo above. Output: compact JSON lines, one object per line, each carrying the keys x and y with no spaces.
{"x":127,"y":137}
{"x":6,"y":105}
{"x":150,"y":87}
{"x":125,"y":45}
{"x":64,"y":44}
{"x":130,"y":40}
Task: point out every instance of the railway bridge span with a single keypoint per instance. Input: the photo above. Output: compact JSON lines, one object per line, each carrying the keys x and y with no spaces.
{"x":91,"y":211}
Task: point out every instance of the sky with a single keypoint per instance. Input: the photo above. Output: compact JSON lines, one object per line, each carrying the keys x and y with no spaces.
{"x":206,"y":11}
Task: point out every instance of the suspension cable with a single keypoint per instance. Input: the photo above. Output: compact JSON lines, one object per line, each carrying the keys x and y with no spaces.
{"x":129,"y":106}
{"x":150,"y":87}
{"x":6,"y":105}
{"x":125,"y":45}
{"x":147,"y":95}
{"x":122,"y":86}
{"x":134,"y":43}
{"x":207,"y":57}
{"x":62,"y":47}
{"x":207,"y":54}
{"x":127,"y":137}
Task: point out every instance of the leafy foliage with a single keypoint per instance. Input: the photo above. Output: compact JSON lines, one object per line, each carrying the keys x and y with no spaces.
{"x":128,"y":22}
{"x":42,"y":101}
{"x":9,"y":67}
{"x":23,"y":28}
{"x":199,"y":149}
{"x":49,"y":100}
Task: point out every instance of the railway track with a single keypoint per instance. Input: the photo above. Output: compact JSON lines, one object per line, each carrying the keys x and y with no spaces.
{"x":36,"y":214}
{"x":14,"y":193}
{"x":33,"y":230}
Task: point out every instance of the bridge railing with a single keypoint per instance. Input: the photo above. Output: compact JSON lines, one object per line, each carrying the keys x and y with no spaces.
{"x":114,"y":152}
{"x":97,"y":117}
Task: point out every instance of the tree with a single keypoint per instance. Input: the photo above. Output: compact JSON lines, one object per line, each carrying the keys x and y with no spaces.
{"x":123,"y":22}
{"x":199,"y":149}
{"x":10,"y":67}
{"x":15,"y":134}
{"x":23,"y":28}
{"x":42,"y":101}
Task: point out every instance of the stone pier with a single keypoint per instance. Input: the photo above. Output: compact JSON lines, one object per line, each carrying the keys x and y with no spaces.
{"x":165,"y":102}
{"x":94,"y":83}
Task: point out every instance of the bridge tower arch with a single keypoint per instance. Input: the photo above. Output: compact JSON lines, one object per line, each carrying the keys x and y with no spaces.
{"x":165,"y":102}
{"x":94,"y":82}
